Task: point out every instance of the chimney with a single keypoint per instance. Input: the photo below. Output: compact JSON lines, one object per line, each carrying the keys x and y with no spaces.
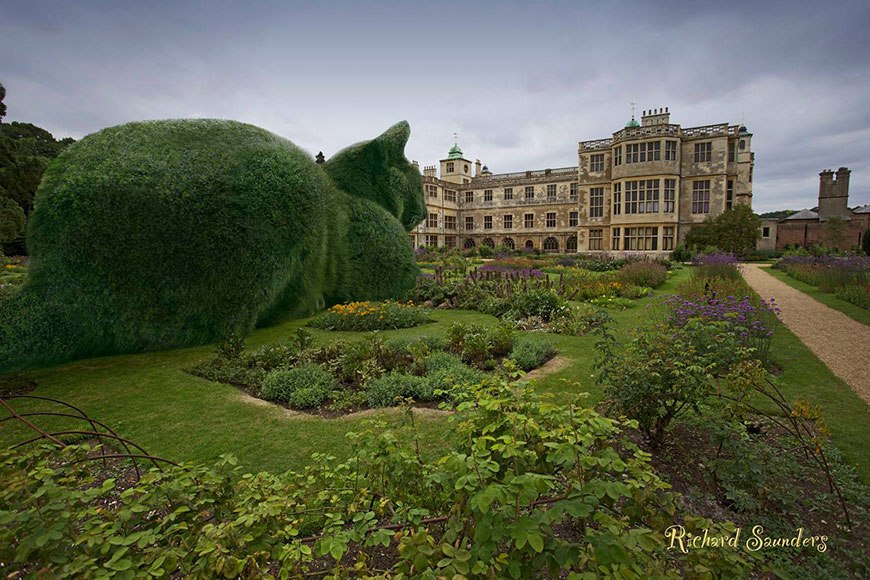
{"x":658,"y":116}
{"x":834,"y":193}
{"x":477,"y":167}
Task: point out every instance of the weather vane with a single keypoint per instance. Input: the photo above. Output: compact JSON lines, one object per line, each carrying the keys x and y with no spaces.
{"x":633,"y":105}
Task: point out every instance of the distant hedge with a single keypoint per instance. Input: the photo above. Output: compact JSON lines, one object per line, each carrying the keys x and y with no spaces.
{"x":160,"y":234}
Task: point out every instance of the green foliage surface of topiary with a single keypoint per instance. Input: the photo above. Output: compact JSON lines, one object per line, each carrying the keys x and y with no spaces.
{"x":162,"y":234}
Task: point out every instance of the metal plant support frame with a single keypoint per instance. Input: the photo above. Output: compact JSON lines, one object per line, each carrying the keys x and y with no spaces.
{"x":99,"y":430}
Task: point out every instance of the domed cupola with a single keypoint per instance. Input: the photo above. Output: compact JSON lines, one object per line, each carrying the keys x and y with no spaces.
{"x":455,"y":152}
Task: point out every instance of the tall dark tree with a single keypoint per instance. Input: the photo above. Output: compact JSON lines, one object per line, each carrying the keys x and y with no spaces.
{"x":735,"y":231}
{"x":25,"y":151}
{"x":2,"y":104}
{"x":11,"y":220}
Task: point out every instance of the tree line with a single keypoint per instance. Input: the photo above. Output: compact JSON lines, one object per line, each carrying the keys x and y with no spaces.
{"x":25,"y":152}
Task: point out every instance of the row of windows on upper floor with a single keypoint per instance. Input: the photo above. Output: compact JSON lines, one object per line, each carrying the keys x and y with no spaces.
{"x":644,"y":239}
{"x":507,"y":221}
{"x":648,"y":196}
{"x":549,"y":192}
{"x":652,"y":151}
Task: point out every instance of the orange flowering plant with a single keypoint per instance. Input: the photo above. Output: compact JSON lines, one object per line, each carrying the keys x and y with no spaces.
{"x":367,"y":316}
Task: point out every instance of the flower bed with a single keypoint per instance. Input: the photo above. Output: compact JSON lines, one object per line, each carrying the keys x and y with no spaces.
{"x":368,"y":316}
{"x":342,"y":377}
{"x":847,"y":277}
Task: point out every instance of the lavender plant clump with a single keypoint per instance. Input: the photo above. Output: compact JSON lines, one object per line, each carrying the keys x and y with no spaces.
{"x":754,"y":324}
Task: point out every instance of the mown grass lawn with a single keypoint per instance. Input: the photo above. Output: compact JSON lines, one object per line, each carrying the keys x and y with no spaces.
{"x":149,"y":399}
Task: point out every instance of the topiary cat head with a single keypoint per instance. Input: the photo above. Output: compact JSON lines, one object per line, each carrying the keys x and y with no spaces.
{"x":359,"y":170}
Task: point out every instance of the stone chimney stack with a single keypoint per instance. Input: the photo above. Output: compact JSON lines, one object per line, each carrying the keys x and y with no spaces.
{"x":477,"y":167}
{"x":655,"y":117}
{"x":834,"y":193}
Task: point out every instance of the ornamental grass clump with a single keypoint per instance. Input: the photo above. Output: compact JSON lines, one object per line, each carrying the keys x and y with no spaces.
{"x":367,"y":316}
{"x":644,"y":274}
{"x":725,"y":266}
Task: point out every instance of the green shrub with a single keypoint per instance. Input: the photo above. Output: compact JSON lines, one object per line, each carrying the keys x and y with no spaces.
{"x":578,"y":320}
{"x":307,"y":397}
{"x":634,"y":292}
{"x":531,"y":351}
{"x":475,"y":343}
{"x":281,"y":385}
{"x":543,"y":303}
{"x":161,"y":234}
{"x":438,"y":361}
{"x":272,"y":356}
{"x":445,"y":379}
{"x":663,"y":371}
{"x":682,"y":254}
{"x":649,"y":274}
{"x":385,"y":391}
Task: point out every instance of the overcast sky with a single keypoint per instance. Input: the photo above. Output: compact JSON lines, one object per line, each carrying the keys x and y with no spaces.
{"x":520,"y":82}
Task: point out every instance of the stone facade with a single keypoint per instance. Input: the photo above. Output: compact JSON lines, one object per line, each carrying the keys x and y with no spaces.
{"x":639,"y":190}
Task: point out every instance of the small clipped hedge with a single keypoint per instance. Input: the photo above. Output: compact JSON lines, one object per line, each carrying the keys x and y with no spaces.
{"x":531,"y":351}
{"x":304,"y":387}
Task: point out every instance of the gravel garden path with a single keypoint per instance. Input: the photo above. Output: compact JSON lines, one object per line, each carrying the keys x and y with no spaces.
{"x":841,"y":343}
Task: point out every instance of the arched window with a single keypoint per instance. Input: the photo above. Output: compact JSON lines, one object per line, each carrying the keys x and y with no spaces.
{"x":571,"y":244}
{"x":468,"y":244}
{"x":508,"y":243}
{"x":551,"y":245}
{"x":488,"y":242}
{"x":530,"y":245}
{"x":743,"y":144}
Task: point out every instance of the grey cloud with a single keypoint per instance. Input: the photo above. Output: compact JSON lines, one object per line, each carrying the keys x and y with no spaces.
{"x":520,"y":82}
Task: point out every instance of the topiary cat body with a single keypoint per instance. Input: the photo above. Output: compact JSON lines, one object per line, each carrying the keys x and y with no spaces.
{"x":169,"y":233}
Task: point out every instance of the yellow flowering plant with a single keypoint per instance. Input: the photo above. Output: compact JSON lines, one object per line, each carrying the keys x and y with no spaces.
{"x":367,"y":316}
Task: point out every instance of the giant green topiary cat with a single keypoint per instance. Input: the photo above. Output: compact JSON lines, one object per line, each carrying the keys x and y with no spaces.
{"x":168,"y":233}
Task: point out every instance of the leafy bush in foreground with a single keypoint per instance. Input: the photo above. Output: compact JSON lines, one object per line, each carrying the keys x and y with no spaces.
{"x":525,"y":489}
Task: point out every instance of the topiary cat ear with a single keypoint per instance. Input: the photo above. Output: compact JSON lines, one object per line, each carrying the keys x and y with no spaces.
{"x":395,"y":138}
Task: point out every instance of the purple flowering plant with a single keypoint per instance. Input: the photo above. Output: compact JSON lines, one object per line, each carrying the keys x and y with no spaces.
{"x":753,"y":321}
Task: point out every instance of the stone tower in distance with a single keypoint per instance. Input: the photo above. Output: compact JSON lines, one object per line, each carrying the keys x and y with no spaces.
{"x":834,"y":193}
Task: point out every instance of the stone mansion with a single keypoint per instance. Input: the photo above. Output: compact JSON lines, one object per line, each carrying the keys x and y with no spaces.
{"x":639,"y":190}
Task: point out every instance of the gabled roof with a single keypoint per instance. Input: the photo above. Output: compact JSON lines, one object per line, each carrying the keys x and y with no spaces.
{"x":862,"y":209}
{"x":804,"y":214}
